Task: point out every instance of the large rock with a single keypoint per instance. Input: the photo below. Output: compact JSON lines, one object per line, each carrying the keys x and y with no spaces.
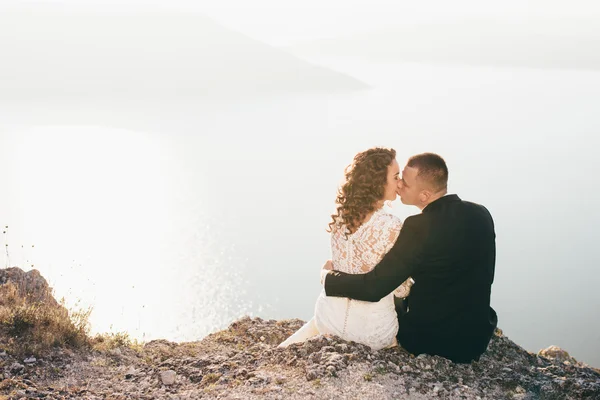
{"x":557,"y":354}
{"x":29,"y":284}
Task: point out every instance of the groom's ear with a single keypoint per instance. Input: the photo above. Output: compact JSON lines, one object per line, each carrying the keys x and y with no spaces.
{"x":424,"y":196}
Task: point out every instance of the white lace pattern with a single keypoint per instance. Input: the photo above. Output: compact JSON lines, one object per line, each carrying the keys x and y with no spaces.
{"x":373,"y":324}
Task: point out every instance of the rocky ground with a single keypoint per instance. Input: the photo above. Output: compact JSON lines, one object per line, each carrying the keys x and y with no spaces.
{"x":243,"y":362}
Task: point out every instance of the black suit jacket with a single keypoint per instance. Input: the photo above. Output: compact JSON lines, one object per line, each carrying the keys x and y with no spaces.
{"x":450,"y":251}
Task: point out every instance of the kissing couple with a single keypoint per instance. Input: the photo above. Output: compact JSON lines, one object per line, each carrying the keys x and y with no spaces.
{"x":424,"y":284}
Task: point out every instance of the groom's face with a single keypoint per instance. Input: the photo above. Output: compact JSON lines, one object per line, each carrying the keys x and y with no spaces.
{"x":408,"y":187}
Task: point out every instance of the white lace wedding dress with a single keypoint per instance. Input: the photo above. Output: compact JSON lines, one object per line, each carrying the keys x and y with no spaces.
{"x":372,"y":324}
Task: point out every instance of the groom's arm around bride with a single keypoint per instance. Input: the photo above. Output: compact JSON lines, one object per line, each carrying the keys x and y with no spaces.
{"x":449,"y":251}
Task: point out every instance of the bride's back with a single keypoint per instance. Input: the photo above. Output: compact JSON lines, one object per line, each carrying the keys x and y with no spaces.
{"x":360,"y":251}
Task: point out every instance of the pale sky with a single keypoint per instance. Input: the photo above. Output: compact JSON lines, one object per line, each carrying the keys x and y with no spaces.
{"x":284,"y":22}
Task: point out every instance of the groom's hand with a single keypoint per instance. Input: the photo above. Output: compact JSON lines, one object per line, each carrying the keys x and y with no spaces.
{"x":325,"y":270}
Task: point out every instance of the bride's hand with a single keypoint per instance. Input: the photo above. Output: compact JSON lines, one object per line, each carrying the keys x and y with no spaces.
{"x":328,"y":265}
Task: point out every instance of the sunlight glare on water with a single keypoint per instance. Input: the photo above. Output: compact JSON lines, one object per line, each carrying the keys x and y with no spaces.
{"x":94,"y":203}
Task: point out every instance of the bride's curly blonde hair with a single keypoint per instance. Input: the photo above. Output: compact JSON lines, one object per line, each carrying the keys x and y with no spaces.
{"x":363,"y":188}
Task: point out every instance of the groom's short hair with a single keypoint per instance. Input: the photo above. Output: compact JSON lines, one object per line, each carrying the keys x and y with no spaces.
{"x":432,"y":170}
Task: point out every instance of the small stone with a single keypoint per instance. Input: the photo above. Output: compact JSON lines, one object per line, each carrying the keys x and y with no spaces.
{"x":15,"y":368}
{"x":555,"y":352}
{"x":115,"y":352}
{"x":130,"y":373}
{"x":30,"y":360}
{"x":254,"y":381}
{"x":262,"y":338}
{"x":406,"y":368}
{"x":312,"y":375}
{"x":342,"y":347}
{"x":168,"y":377}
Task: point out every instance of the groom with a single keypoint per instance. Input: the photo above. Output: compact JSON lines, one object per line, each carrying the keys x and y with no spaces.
{"x":449,"y":250}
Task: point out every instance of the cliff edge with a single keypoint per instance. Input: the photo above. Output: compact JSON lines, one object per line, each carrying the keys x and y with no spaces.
{"x":243,"y":362}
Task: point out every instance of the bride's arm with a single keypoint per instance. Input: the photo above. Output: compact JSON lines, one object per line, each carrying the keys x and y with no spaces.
{"x":395,"y":267}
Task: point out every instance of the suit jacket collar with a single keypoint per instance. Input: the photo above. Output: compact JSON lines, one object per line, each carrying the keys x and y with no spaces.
{"x":440,"y":202}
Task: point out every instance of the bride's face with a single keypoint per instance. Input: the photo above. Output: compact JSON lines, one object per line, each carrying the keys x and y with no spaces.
{"x":391,"y":185}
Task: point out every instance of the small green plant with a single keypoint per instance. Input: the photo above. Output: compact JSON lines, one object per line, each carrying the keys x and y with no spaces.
{"x":368,"y":377}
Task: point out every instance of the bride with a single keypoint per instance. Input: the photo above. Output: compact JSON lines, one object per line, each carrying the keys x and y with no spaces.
{"x":361,"y":233}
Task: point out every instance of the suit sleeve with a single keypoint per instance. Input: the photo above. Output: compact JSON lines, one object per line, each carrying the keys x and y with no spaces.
{"x":395,"y":267}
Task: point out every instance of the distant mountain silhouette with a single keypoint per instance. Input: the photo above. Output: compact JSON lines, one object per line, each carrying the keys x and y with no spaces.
{"x":49,"y":53}
{"x":561,"y":43}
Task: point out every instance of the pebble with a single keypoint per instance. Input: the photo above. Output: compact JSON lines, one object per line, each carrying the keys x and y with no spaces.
{"x":16,"y":368}
{"x":168,"y":377}
{"x":130,"y":373}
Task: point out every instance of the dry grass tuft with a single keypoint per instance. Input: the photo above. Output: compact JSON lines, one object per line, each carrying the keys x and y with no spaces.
{"x":108,"y":341}
{"x":32,"y":327}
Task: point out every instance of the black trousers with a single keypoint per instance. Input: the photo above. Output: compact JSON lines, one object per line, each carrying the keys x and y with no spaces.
{"x":459,"y":348}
